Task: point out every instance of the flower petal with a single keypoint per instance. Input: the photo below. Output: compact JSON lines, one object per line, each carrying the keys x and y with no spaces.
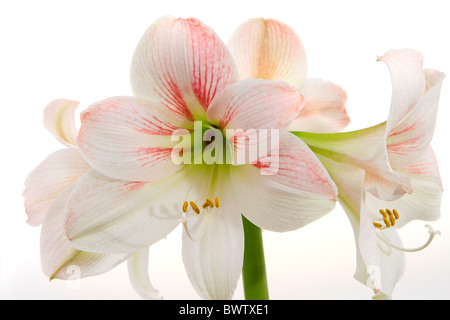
{"x":181,"y":64}
{"x":138,"y":274}
{"x":59,"y":120}
{"x":213,"y":261}
{"x":411,"y":136}
{"x":325,"y":107}
{"x":255,"y":104}
{"x":269,"y":49}
{"x":365,"y":149}
{"x":297,"y":192}
{"x":424,"y":202}
{"x":408,"y":82}
{"x":59,"y":260}
{"x":49,"y":179}
{"x":129,"y":138}
{"x":115,"y":216}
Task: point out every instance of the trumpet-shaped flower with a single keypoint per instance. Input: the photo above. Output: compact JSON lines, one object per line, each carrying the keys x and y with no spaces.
{"x":269,"y":49}
{"x":185,"y":83}
{"x":387,"y":175}
{"x":47,"y":189}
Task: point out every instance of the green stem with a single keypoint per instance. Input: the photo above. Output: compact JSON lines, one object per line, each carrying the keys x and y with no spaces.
{"x":254,"y":268}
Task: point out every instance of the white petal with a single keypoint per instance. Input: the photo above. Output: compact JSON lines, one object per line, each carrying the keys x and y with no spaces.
{"x":408,"y":82}
{"x":59,"y":260}
{"x":213,"y":261}
{"x":49,"y":179}
{"x":138,"y":274}
{"x":59,"y":120}
{"x":115,"y":216}
{"x":409,"y":139}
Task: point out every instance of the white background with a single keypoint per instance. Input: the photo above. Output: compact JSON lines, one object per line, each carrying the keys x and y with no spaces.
{"x":81,"y":50}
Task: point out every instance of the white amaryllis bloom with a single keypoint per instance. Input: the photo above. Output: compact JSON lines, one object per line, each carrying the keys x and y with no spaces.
{"x":269,"y":49}
{"x":47,"y":189}
{"x":387,"y":175}
{"x":182,"y":74}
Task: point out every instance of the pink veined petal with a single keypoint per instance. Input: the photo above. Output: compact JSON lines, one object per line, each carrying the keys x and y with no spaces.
{"x":269,"y":49}
{"x":59,"y":260}
{"x":324,"y":111}
{"x":213,"y":258}
{"x":294,"y":190}
{"x":424,"y":202}
{"x":59,"y":120}
{"x":138,"y":275}
{"x":181,"y":64}
{"x":49,"y":179}
{"x":410,"y":137}
{"x":129,"y":138}
{"x":408,"y":83}
{"x":255,"y":104}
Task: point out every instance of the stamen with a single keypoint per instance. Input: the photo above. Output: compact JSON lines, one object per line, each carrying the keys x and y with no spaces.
{"x":216,"y":200}
{"x":395,"y":214}
{"x":210,"y":202}
{"x":426,"y":244}
{"x":387,"y":223}
{"x":377,"y":225}
{"x":195,"y":208}
{"x":383,"y":213}
{"x":391,"y":217}
{"x":185,"y":206}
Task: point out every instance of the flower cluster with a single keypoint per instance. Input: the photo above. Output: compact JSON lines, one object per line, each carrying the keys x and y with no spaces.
{"x":220,"y":133}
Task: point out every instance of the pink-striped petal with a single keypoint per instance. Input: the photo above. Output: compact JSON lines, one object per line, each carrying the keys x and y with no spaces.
{"x":129,"y":138}
{"x":269,"y":49}
{"x":59,"y":120}
{"x":324,"y":111}
{"x":409,"y":139}
{"x":181,"y":64}
{"x":408,"y":83}
{"x":255,"y":104}
{"x":58,"y":258}
{"x":49,"y":179}
{"x":295,"y":191}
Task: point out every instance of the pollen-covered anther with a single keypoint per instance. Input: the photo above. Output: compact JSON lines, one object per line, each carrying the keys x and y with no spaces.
{"x":185,"y":206}
{"x":389,"y":218}
{"x":194,"y":207}
{"x":216,"y":202}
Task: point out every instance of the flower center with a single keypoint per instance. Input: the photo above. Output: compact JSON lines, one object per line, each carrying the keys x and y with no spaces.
{"x":389,"y":218}
{"x":191,"y":209}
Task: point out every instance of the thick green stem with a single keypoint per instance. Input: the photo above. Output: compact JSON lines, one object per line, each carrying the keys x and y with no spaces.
{"x":254,"y":269}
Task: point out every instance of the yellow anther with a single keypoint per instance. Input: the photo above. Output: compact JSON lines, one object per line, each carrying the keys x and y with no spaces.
{"x":395,"y":214}
{"x":185,"y":206}
{"x":216,"y":201}
{"x":205,"y":205}
{"x":377,"y":225}
{"x":387,"y":223}
{"x":391,"y":217}
{"x":210,"y":202}
{"x":383,"y":213}
{"x":195,"y":208}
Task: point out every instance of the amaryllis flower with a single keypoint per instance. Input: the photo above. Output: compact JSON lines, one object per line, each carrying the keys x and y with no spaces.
{"x":185,"y":83}
{"x":47,"y":189}
{"x":387,"y":175}
{"x":269,"y":49}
